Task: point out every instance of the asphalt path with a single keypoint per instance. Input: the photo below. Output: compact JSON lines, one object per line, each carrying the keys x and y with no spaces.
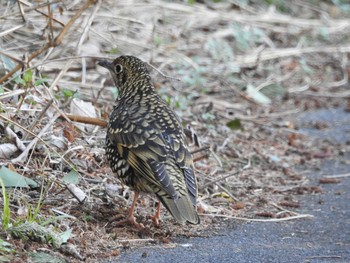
{"x":323,"y":238}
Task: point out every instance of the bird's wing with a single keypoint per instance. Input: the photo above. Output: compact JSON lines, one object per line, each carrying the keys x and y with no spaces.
{"x":159,"y":157}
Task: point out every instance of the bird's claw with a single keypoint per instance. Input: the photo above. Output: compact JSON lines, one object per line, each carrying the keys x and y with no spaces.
{"x":132,"y":221}
{"x":156,"y":220}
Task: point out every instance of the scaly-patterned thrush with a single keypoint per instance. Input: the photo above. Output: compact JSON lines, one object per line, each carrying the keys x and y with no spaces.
{"x":146,"y":145}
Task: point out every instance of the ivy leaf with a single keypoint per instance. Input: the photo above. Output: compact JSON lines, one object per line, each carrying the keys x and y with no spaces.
{"x":41,"y":81}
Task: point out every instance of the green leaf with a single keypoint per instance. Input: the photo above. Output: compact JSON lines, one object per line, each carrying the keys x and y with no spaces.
{"x":28,"y":75}
{"x":4,"y":244}
{"x":19,"y":80}
{"x":66,"y":235}
{"x":234,"y":124}
{"x":113,"y":51}
{"x":41,"y":81}
{"x":6,"y":249}
{"x":6,"y":213}
{"x":13,"y":179}
{"x":256,"y":95}
{"x":72,"y":177}
{"x":67,"y":93}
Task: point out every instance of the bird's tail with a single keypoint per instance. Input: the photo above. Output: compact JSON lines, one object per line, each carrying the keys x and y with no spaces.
{"x":181,"y":209}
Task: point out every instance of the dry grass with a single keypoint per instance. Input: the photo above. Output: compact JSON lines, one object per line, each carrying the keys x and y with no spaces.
{"x":298,"y":58}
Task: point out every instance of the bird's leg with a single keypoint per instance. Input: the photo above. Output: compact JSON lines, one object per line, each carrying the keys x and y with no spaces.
{"x":156,"y":217}
{"x":131,"y":219}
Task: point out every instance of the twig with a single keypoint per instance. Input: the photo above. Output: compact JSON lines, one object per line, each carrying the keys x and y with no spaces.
{"x":12,"y":93}
{"x":323,"y":257}
{"x":270,"y":115}
{"x":87,"y":120}
{"x":205,"y":155}
{"x":244,"y":6}
{"x":218,"y":180}
{"x":338,"y":175}
{"x":57,"y":41}
{"x":299,"y":216}
{"x":161,"y":73}
{"x":281,"y":208}
{"x":115,"y":16}
{"x":88,"y":25}
{"x":40,"y":12}
{"x":50,"y":26}
{"x":205,"y":148}
{"x":345,"y":94}
{"x":32,"y":7}
{"x":63,"y":213}
{"x":21,"y":10}
{"x":41,"y":63}
{"x":270,"y":54}
{"x":215,"y":157}
{"x":8,"y":31}
{"x":271,"y":18}
{"x":197,"y":159}
{"x":60,"y":74}
{"x":227,"y":192}
{"x":24,"y":154}
{"x":136,"y":240}
{"x":44,"y":110}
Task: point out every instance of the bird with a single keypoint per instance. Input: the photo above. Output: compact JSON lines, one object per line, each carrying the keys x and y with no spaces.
{"x":146,"y":146}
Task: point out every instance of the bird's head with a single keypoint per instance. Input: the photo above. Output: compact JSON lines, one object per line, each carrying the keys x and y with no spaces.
{"x":125,"y":69}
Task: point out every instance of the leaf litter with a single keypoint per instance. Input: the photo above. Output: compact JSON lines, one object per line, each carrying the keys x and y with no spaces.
{"x":245,"y":72}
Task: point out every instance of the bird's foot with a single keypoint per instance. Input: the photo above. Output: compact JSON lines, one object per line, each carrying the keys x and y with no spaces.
{"x":134,"y":223}
{"x":130,"y":220}
{"x":156,"y":219}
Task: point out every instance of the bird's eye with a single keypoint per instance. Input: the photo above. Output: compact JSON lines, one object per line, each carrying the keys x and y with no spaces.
{"x":118,"y":68}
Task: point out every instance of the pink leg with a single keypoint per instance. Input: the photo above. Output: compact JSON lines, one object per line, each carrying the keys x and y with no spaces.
{"x":156,"y":217}
{"x":131,"y":219}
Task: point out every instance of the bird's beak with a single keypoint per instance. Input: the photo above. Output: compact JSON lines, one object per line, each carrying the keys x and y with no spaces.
{"x":106,"y":64}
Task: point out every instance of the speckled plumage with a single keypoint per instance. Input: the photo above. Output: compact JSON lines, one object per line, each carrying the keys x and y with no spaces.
{"x":145,"y":142}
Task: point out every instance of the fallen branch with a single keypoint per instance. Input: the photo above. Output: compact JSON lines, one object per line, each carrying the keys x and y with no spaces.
{"x":86,"y":120}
